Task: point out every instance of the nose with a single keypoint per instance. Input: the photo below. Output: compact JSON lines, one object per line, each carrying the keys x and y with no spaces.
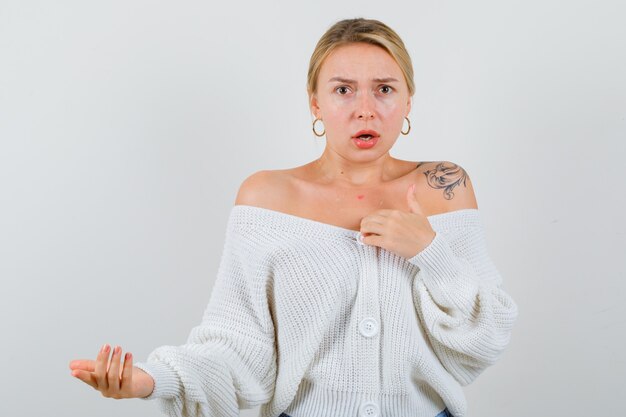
{"x":365,"y":110}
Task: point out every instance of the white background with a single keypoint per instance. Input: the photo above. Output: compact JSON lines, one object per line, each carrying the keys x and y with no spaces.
{"x":126,"y":128}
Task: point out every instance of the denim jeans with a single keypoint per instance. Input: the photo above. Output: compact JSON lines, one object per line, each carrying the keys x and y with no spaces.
{"x":444,"y":413}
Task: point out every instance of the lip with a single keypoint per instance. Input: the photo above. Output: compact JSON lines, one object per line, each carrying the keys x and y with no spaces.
{"x":361,"y":144}
{"x":366,"y":132}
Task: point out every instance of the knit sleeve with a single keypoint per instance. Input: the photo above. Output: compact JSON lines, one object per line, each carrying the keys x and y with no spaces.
{"x":229,"y":360}
{"x":467,"y":315}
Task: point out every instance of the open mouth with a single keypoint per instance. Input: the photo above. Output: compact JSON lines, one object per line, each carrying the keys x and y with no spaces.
{"x":366,"y":135}
{"x":366,"y":140}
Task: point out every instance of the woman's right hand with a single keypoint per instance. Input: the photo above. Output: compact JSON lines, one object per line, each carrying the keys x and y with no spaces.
{"x":131,"y":382}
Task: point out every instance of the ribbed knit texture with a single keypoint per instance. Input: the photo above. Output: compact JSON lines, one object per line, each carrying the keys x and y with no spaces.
{"x":284,"y":326}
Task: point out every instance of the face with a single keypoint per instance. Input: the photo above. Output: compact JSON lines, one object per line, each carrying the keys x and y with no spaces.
{"x":361,"y":87}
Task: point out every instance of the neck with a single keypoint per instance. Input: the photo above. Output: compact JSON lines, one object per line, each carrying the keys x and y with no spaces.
{"x":339,"y":171}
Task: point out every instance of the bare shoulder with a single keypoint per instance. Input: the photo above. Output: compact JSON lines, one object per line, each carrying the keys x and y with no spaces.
{"x":264,"y":189}
{"x":448,"y":184}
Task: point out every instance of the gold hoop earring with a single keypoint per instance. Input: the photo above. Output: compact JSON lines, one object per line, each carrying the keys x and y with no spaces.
{"x":407,"y":132}
{"x":320,"y":135}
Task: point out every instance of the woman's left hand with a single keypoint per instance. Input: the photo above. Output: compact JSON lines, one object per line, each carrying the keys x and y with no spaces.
{"x":405,"y":234}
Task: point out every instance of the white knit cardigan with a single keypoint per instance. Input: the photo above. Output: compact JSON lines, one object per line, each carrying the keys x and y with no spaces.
{"x":306,"y":319}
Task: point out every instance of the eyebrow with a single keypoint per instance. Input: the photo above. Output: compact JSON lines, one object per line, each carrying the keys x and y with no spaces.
{"x":346,"y":80}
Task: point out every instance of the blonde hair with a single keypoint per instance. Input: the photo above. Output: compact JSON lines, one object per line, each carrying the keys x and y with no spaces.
{"x":370,"y":31}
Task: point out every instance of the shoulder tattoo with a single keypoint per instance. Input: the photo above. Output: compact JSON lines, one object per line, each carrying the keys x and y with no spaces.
{"x":446,"y":175}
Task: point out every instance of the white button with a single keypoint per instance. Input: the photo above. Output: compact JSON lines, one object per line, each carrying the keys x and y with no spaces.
{"x":369,"y":409}
{"x":358,"y":239}
{"x":368,"y":327}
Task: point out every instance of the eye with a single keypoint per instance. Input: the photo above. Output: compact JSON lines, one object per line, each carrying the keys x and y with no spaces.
{"x":386,"y":86}
{"x":343,"y":86}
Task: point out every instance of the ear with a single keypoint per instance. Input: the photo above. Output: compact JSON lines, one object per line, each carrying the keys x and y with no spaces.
{"x":315,"y":108}
{"x":408,"y":105}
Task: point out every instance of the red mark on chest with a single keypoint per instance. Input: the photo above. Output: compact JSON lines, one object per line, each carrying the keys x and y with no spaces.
{"x":360,"y":196}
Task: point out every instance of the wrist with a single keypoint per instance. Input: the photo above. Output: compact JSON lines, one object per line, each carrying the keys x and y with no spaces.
{"x":144,"y":383}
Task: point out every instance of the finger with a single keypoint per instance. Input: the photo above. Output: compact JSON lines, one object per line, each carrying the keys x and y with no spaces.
{"x":86,"y":377}
{"x":101,"y":367}
{"x":375,"y":224}
{"x":83,"y":364}
{"x":127,"y":372}
{"x":113,"y":375}
{"x":374,"y":219}
{"x":373,"y":240}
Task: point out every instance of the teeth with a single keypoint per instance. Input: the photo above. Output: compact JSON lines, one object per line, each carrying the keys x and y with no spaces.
{"x":366,"y":137}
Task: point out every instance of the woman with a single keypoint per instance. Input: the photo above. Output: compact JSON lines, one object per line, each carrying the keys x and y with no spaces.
{"x":355,"y":285}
